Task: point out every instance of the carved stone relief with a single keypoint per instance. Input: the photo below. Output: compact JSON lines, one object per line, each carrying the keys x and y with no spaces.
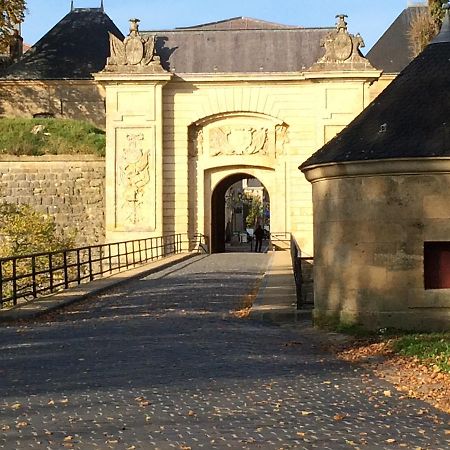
{"x":134,"y":54}
{"x":133,"y":180}
{"x":342,"y":50}
{"x":281,"y":139}
{"x":229,"y":140}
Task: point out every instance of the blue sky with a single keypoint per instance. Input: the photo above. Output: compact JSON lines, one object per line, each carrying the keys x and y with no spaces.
{"x":368,"y":17}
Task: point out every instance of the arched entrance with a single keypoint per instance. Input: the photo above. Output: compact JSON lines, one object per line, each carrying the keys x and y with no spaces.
{"x":226,"y":206}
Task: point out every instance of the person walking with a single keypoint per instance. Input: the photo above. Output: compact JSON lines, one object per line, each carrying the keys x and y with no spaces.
{"x":259,"y":234}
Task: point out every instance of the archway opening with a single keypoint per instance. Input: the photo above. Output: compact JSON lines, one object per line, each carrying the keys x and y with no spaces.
{"x":239,"y":203}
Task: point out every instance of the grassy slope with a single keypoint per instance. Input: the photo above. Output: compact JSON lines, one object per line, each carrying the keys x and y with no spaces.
{"x":59,"y":137}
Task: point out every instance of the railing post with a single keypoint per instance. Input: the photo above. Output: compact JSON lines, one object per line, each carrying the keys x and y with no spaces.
{"x":78,"y":267}
{"x":110,"y":258}
{"x":50,"y":270}
{"x":133,"y":249}
{"x":14,"y":274}
{"x":33,"y":275}
{"x":91,"y":275}
{"x":66,"y":273}
{"x":1,"y":284}
{"x":118,"y":256}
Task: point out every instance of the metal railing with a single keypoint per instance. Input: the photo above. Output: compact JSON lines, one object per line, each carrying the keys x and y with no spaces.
{"x":280,"y":240}
{"x":302,"y":267}
{"x":26,"y":277}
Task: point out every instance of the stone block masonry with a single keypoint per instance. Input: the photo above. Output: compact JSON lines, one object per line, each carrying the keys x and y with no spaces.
{"x":69,"y":188}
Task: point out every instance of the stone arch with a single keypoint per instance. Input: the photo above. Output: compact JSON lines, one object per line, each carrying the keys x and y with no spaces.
{"x":225,"y":144}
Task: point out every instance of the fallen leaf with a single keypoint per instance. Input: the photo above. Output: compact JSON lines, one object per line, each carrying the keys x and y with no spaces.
{"x":391,"y":441}
{"x":68,"y":438}
{"x":387,"y":393}
{"x":22,"y":424}
{"x":16,"y":406}
{"x":301,"y":434}
{"x":339,"y":417}
{"x":306,"y":413}
{"x":51,"y":402}
{"x":191,"y":413}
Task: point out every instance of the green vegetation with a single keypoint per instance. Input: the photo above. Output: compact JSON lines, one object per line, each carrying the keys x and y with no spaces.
{"x":12,"y":12}
{"x":425,"y":25}
{"x":433,"y":348}
{"x":50,"y":137}
{"x":24,"y":231}
{"x":255,"y":210}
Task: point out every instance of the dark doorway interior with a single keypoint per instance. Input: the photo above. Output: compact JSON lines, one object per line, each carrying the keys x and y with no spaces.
{"x":218,"y":215}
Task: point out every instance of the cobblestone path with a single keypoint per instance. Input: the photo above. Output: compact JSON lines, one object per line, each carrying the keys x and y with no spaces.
{"x":161,"y":364}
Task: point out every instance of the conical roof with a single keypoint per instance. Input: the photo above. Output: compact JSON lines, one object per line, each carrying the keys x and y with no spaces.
{"x":74,"y":48}
{"x":409,"y":119}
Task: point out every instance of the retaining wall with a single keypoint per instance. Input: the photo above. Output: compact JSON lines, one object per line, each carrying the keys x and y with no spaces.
{"x":68,"y":188}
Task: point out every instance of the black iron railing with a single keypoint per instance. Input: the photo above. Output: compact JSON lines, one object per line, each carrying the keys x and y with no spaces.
{"x":280,"y":240}
{"x":26,"y":277}
{"x":302,"y":267}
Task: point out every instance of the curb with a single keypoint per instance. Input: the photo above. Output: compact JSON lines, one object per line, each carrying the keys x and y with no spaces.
{"x":67,"y":297}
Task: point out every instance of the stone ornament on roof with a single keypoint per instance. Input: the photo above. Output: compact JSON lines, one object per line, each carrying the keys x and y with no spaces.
{"x":342,"y":50}
{"x":134,"y":54}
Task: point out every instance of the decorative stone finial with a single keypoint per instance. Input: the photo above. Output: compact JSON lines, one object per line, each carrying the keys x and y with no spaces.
{"x":102,"y":6}
{"x":71,"y":6}
{"x":134,"y":54}
{"x":444,"y":34}
{"x":342,"y":24}
{"x":342,"y":50}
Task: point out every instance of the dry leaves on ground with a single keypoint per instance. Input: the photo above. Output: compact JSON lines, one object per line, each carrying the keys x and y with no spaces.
{"x":409,"y":375}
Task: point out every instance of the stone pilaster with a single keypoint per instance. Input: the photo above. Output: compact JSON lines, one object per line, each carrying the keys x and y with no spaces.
{"x":133,"y":80}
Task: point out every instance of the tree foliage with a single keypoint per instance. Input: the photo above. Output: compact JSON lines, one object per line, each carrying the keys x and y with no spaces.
{"x":24,"y":231}
{"x":425,"y":25}
{"x":12,"y":13}
{"x":255,"y":210}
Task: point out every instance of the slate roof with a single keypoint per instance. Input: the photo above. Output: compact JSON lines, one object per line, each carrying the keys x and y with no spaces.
{"x":392,"y":52}
{"x":409,"y":119}
{"x":74,"y":48}
{"x":239,"y":23}
{"x":239,"y":45}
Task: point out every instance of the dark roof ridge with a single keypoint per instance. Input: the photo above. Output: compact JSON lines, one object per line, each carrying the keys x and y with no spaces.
{"x":237,"y":18}
{"x":198,"y":30}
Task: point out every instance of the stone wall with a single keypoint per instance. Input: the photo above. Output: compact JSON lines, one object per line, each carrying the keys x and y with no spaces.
{"x":371,"y":222}
{"x":63,"y":99}
{"x":68,"y":188}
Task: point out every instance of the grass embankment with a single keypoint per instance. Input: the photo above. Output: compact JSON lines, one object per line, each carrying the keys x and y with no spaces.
{"x":433,"y":348}
{"x":429,"y":348}
{"x":35,"y":137}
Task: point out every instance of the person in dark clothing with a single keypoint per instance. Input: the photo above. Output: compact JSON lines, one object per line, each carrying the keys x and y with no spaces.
{"x":259,"y":234}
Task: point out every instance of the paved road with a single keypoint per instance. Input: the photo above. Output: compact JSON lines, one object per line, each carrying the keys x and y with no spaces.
{"x":161,"y":364}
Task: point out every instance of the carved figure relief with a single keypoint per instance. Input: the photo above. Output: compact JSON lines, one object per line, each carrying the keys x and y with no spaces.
{"x":134,"y":177}
{"x":237,"y":141}
{"x":195,"y":142}
{"x":135,"y":53}
{"x":281,"y":139}
{"x":342,"y":50}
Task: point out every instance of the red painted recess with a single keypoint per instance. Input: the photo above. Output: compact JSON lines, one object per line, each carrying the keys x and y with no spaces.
{"x":437,"y":265}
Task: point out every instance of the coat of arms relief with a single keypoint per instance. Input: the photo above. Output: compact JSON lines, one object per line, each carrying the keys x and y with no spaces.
{"x":342,"y":50}
{"x":133,"y":179}
{"x":135,"y":54}
{"x":238,"y":140}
